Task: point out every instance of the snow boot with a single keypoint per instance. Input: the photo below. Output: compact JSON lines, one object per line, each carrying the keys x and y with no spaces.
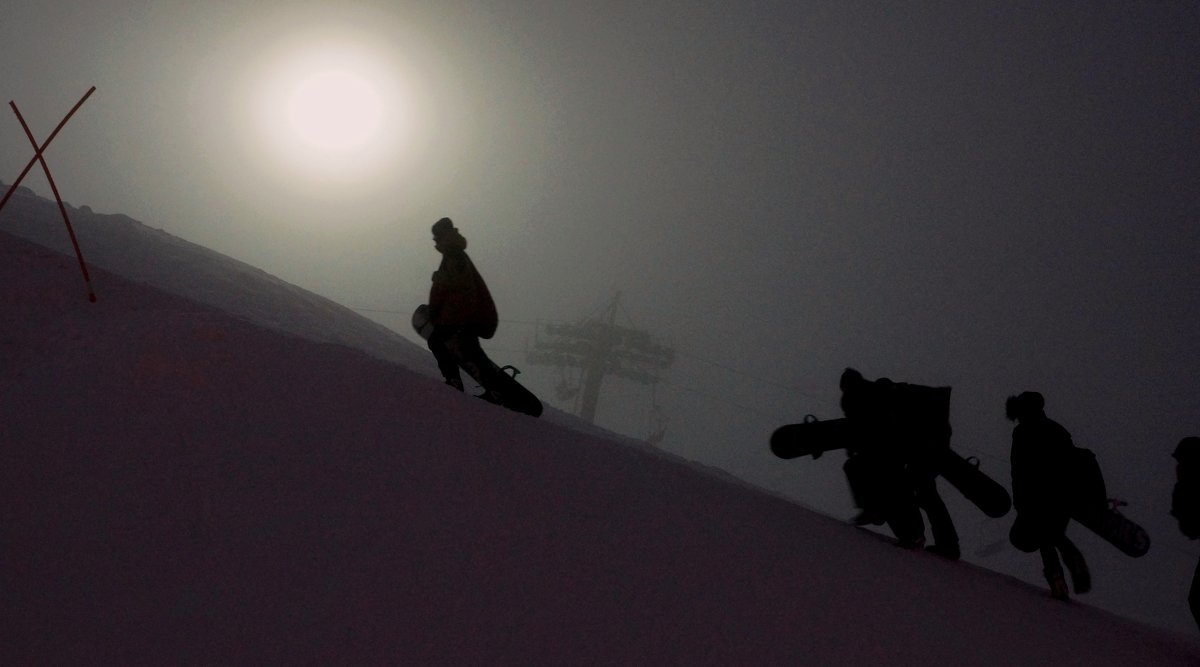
{"x":1058,"y":586}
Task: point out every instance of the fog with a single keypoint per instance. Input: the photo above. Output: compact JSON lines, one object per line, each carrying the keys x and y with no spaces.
{"x":993,"y":197}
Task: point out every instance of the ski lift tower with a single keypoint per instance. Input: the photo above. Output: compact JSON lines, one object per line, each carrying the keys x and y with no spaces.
{"x":598,"y":347}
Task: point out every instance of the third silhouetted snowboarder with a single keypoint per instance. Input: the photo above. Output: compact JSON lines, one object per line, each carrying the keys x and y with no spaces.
{"x":1041,"y":488}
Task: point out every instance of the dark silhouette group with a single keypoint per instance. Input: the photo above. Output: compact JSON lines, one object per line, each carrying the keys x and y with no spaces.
{"x":896,"y":439}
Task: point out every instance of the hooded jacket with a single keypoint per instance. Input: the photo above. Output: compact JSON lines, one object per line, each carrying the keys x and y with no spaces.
{"x":459,"y":297}
{"x":1041,"y":450}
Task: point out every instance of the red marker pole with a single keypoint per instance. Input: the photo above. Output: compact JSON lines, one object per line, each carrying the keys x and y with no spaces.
{"x":87,"y":280}
{"x":13,"y":188}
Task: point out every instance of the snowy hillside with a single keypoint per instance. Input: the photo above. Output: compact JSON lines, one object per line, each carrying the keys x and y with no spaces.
{"x":184,"y":486}
{"x":156,"y":258}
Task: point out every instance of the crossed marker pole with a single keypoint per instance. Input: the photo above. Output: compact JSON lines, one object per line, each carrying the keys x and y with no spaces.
{"x":38,"y":157}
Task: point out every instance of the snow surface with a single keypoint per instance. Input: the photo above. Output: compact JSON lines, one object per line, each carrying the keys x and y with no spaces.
{"x":255,"y":475}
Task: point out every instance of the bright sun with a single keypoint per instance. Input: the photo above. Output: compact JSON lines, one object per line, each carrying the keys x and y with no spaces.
{"x":335,"y":110}
{"x":331,"y":109}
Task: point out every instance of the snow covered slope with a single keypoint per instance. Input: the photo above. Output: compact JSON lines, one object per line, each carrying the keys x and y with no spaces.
{"x":183,"y":486}
{"x":154,"y":257}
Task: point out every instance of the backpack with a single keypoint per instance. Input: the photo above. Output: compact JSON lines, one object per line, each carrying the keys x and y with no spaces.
{"x":1085,"y":481}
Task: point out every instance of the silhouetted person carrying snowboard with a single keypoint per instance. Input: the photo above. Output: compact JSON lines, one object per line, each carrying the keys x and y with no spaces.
{"x":1185,"y":505}
{"x":461,"y":311}
{"x":1041,"y":474}
{"x":899,"y":431}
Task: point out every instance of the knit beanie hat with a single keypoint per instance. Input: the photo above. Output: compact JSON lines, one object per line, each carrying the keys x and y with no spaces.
{"x":443,"y":227}
{"x":1188,"y":449}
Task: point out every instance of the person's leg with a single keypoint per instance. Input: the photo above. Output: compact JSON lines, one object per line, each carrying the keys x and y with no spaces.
{"x":1028,"y":534}
{"x":863,"y":479}
{"x":476,"y":363}
{"x":441,"y":343}
{"x":1053,"y":531}
{"x":941,"y":526}
{"x":1081,"y":576}
{"x":1052,"y":568}
{"x":903,"y":512}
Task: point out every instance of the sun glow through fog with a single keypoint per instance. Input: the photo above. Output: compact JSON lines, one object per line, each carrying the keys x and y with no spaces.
{"x":331,"y":110}
{"x":335,"y":110}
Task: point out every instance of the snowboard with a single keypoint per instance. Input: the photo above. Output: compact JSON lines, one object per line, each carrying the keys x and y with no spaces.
{"x":499,"y":383}
{"x":1094,"y":510}
{"x":421,"y":322}
{"x":813,"y":437}
{"x":984,"y":492}
{"x":1116,"y":529}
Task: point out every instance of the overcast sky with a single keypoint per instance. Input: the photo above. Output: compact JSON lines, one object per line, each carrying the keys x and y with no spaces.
{"x":992,"y":196}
